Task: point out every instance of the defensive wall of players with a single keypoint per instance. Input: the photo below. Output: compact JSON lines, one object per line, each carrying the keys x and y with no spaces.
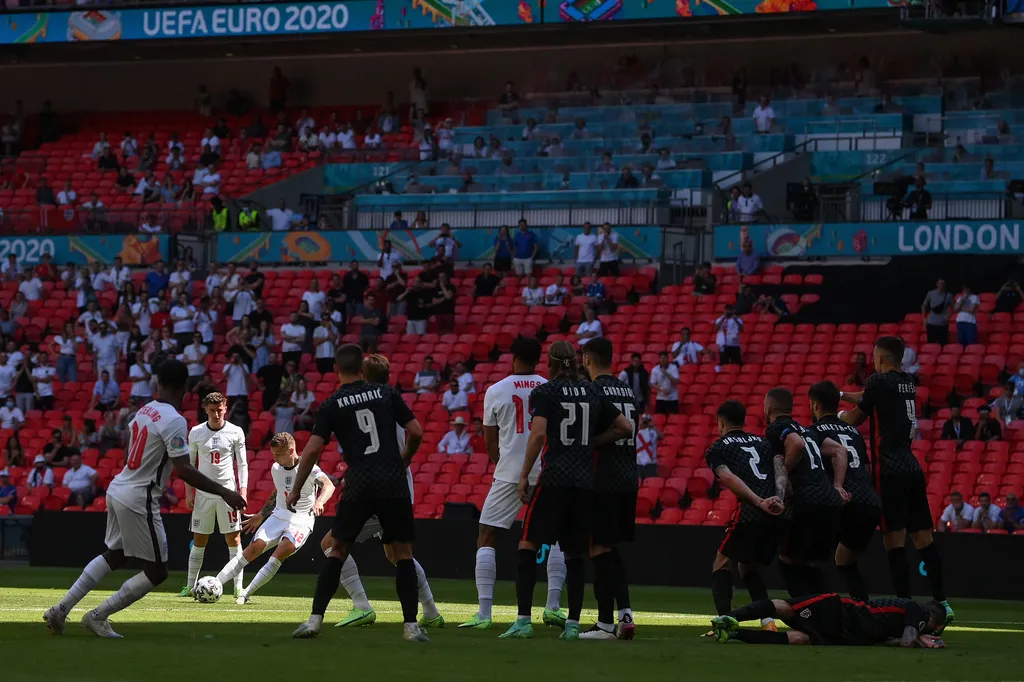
{"x":976,"y":566}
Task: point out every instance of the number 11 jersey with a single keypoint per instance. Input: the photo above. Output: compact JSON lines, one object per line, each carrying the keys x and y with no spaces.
{"x":507,"y":406}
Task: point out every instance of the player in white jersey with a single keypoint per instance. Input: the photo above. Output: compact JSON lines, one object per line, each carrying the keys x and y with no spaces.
{"x":377,"y":369}
{"x":279,"y":528}
{"x":217,"y":449}
{"x":156,"y":444}
{"x":506,"y":430}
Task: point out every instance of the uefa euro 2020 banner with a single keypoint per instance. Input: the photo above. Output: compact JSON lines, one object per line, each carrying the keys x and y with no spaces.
{"x":278,"y":19}
{"x":871,"y":239}
{"x":133,"y":249}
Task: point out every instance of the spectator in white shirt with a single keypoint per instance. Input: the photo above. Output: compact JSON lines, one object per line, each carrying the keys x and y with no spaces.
{"x":181,"y":279}
{"x":31,"y":286}
{"x":911,"y":365}
{"x":293,"y":336}
{"x":428,"y":378}
{"x":533,"y":293}
{"x":140,"y":374}
{"x":106,"y":350}
{"x":647,"y":437}
{"x":281,"y":218}
{"x":372,"y":139}
{"x":728,"y":328}
{"x":211,"y":182}
{"x":100,"y":147}
{"x":11,"y":417}
{"x":205,"y":319}
{"x":67,"y":196}
{"x":325,"y":342}
{"x":464,"y":377}
{"x":590,"y":328}
{"x":41,"y":474}
{"x":665,"y":381}
{"x":236,"y":377}
{"x":43,"y":375}
{"x":987,"y":516}
{"x":129,"y":145}
{"x":586,"y":251}
{"x":150,"y":225}
{"x":81,"y":480}
{"x":966,"y":308}
{"x":194,"y":357}
{"x":456,"y":441}
{"x":347,"y":137}
{"x":174,"y":160}
{"x":387,"y":258}
{"x":748,"y":205}
{"x":608,"y":251}
{"x":686,"y":351}
{"x":315,"y":299}
{"x":454,"y":399}
{"x":119,"y":273}
{"x":182,"y":318}
{"x":327,"y":139}
{"x":957,"y":515}
{"x":556,"y":293}
{"x":209,"y":138}
{"x":764,"y":116}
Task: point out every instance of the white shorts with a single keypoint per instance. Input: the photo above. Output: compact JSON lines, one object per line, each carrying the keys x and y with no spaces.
{"x":274,"y":529}
{"x":139,"y":534}
{"x":501,"y":506}
{"x":213,"y":512}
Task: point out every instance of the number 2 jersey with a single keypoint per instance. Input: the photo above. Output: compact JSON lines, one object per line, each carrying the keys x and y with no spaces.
{"x":575,"y":413}
{"x":507,"y":406}
{"x":156,"y":434}
{"x":890,"y":399}
{"x":283,"y":481}
{"x":750,"y":459}
{"x":616,"y":463}
{"x":220,"y":455}
{"x":858,"y":479}
{"x":363,"y":416}
{"x":809,"y":479}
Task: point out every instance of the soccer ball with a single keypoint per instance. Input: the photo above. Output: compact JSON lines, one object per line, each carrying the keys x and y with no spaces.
{"x":207,"y":590}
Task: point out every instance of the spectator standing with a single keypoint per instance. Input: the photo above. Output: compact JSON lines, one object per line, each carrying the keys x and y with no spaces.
{"x":747,"y":263}
{"x":590,"y":328}
{"x":586,"y":251}
{"x":106,"y":350}
{"x":325,"y":340}
{"x":105,"y":393}
{"x":303,"y":403}
{"x":533,"y":293}
{"x":966,"y":308}
{"x":764,"y":116}
{"x":936,"y":309}
{"x":1009,"y":297}
{"x":608,"y":244}
{"x":293,"y":336}
{"x":81,"y":480}
{"x":387,"y":259}
{"x":140,"y":374}
{"x":638,"y":378}
{"x":988,"y":429}
{"x":157,"y":280}
{"x":919,"y":200}
{"x":42,"y":380}
{"x":749,"y":205}
{"x":237,"y":379}
{"x":728,"y":328}
{"x":443,"y":304}
{"x":354,"y":285}
{"x":41,"y":474}
{"x":504,"y":248}
{"x":986,"y":515}
{"x":194,"y":357}
{"x":371,"y":323}
{"x":958,"y":427}
{"x":647,"y":437}
{"x":526,"y":250}
{"x":911,"y":365}
{"x":446,"y":243}
{"x":454,"y":399}
{"x":458,"y":440}
{"x":686,"y":351}
{"x":957,"y":515}
{"x":183,"y":316}
{"x":315,"y":298}
{"x":24,"y":388}
{"x":704,"y":281}
{"x":665,"y":381}
{"x":427,"y":379}
{"x":31,"y":287}
{"x":417,"y":307}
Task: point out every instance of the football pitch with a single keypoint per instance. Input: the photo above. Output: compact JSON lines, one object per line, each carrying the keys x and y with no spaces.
{"x":170,"y":638}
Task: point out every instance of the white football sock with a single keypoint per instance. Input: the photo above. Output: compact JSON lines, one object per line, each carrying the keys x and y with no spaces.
{"x":767,"y":621}
{"x":486,"y":574}
{"x":236,"y":552}
{"x":625,"y":612}
{"x":430,"y":611}
{"x":195,"y":564}
{"x":94,"y":572}
{"x":556,"y":577}
{"x":263,"y":576}
{"x":134,"y":589}
{"x":232,"y":568}
{"x":353,"y":585}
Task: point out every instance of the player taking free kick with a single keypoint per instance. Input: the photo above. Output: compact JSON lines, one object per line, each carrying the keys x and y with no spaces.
{"x":156,"y":444}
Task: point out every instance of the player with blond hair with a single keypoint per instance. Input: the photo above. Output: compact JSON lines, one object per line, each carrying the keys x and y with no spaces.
{"x":377,"y":369}
{"x":276,"y":526}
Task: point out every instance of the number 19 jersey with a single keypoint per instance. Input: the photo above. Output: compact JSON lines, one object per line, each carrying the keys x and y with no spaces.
{"x":507,"y":406}
{"x":219,"y":454}
{"x":156,"y":434}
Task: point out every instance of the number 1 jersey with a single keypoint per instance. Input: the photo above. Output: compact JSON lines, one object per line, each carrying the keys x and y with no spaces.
{"x":507,"y":406}
{"x":156,"y":434}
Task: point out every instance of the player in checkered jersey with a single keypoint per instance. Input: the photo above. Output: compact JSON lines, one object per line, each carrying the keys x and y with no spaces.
{"x":571,"y":419}
{"x":156,"y":445}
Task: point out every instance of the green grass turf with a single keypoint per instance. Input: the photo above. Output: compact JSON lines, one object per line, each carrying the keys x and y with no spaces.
{"x":169,"y":638}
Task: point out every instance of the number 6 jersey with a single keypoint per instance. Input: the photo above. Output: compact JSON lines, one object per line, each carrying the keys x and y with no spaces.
{"x":750,"y":459}
{"x":156,"y":434}
{"x":220,"y":455}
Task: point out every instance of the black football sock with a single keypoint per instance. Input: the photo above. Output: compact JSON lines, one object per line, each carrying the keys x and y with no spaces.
{"x":793,"y":578}
{"x":526,"y":580}
{"x":755,"y":611}
{"x":933,"y":566}
{"x":855,"y":583}
{"x":900,"y":571}
{"x":721,"y":590}
{"x":604,"y":587}
{"x":754,"y":583}
{"x":326,"y":585}
{"x":574,"y":586}
{"x":408,"y":593}
{"x":814,"y":580}
{"x":762,"y":637}
{"x":621,"y":582}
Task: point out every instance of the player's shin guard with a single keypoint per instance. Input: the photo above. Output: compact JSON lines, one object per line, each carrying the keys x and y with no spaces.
{"x":526,"y":580}
{"x":556,"y":577}
{"x":486,"y":573}
{"x":721,"y":590}
{"x":900,"y":571}
{"x":231,"y":569}
{"x":575,"y":583}
{"x":621,"y":584}
{"x":263,"y":576}
{"x":855,"y":583}
{"x":405,"y":585}
{"x":426,"y":597}
{"x":236,"y":551}
{"x":94,"y":572}
{"x":326,"y":585}
{"x":933,"y":566}
{"x":762,"y":637}
{"x":195,"y":564}
{"x":793,"y":579}
{"x":757,"y":610}
{"x":604,"y":588}
{"x":353,"y":585}
{"x":133,"y":589}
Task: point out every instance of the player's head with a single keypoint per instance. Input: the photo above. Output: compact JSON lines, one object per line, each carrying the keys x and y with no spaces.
{"x":282,"y":447}
{"x":824,"y":397}
{"x":525,"y":355}
{"x":216,"y":406}
{"x":376,"y":369}
{"x":888,"y":353}
{"x":777,"y":402}
{"x":936,"y":618}
{"x":171,"y":378}
{"x":348,"y":361}
{"x":597,"y":357}
{"x":732,"y":415}
{"x":562,"y":360}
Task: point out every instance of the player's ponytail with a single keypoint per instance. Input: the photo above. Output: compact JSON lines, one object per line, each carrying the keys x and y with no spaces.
{"x":562,"y":360}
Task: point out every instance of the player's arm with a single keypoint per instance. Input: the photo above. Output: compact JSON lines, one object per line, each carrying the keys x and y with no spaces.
{"x":491,"y":443}
{"x":837,"y":453}
{"x":534,"y":444}
{"x":253,"y":523}
{"x":621,"y":428}
{"x":743,"y":491}
{"x":242,"y":462}
{"x":412,"y":426}
{"x":310,"y":456}
{"x":326,"y":491}
{"x":862,"y":401}
{"x":794,"y":448}
{"x":781,"y":476}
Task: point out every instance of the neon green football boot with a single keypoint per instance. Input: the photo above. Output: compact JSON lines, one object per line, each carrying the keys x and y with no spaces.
{"x":357,"y":618}
{"x":521,"y":629}
{"x":555,"y":617}
{"x":477,"y":623}
{"x":432,"y":622}
{"x":571,"y":632}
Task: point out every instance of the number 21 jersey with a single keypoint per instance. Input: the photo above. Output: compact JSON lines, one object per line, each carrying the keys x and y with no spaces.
{"x":156,"y":434}
{"x":507,"y":406}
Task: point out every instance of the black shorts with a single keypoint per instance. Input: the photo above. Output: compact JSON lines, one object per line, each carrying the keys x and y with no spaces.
{"x":730,"y":355}
{"x":395,"y":516}
{"x":812,"y":533}
{"x":614,"y":518}
{"x":819,"y":617}
{"x":857,"y":525}
{"x":559,"y":514}
{"x":904,"y":502}
{"x":755,"y":543}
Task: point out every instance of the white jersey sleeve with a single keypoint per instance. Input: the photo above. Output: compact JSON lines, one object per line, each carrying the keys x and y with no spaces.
{"x":156,"y":435}
{"x":283,"y":481}
{"x":507,"y":406}
{"x":217,"y":453}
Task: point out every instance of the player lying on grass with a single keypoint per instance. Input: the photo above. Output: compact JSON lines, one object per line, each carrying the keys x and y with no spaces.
{"x":377,"y":369}
{"x":280,"y":529}
{"x":834,"y":620}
